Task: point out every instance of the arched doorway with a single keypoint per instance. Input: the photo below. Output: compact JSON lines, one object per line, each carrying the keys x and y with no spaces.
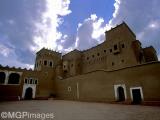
{"x":28,"y":93}
{"x":2,"y":77}
{"x":121,"y":96}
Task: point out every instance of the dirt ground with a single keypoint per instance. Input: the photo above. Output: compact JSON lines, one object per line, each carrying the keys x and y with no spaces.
{"x":70,"y":110}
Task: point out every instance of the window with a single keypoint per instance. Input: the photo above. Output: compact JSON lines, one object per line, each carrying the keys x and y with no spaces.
{"x":69,"y":89}
{"x":64,"y":66}
{"x":14,"y":78}
{"x":25,"y":81}
{"x":2,"y":77}
{"x":31,"y":81}
{"x":122,"y":45}
{"x":122,"y":61}
{"x":112,"y":63}
{"x":45,"y":62}
{"x":71,"y":65}
{"x":50,"y":63}
{"x":35,"y":81}
{"x":104,"y":51}
{"x":115,"y":47}
{"x":98,"y":54}
{"x":87,"y":58}
{"x":93,"y":56}
{"x":110,"y":50}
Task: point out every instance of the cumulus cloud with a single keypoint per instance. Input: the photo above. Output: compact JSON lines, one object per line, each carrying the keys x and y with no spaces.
{"x":47,"y":33}
{"x":26,"y":26}
{"x":90,"y":32}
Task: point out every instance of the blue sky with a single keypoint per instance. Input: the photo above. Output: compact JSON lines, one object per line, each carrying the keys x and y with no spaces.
{"x":63,"y":25}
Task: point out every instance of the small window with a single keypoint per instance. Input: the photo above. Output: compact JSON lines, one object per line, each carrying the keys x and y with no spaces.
{"x":115,"y":47}
{"x":112,"y":63}
{"x":45,"y":62}
{"x":31,"y":81}
{"x":71,"y":65}
{"x":25,"y":81}
{"x":98,"y":54}
{"x":50,"y":63}
{"x":69,"y":89}
{"x":104,"y":51}
{"x":122,"y":45}
{"x":110,"y":50}
{"x":122,"y":61}
{"x":93,"y":56}
{"x":87,"y":58}
{"x":35,"y":81}
{"x":64,"y":66}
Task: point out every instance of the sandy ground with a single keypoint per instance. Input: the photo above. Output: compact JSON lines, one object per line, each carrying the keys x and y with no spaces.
{"x":70,"y":110}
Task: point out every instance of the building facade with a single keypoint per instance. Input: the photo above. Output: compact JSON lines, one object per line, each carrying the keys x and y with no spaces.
{"x":118,"y":69}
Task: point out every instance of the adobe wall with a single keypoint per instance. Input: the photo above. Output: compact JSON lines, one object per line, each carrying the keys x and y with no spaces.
{"x":99,"y":85}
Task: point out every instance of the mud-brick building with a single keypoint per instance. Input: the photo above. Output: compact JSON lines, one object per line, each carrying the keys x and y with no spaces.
{"x":117,"y":70}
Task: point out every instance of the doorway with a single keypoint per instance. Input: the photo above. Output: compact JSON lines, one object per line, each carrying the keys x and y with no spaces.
{"x":121,"y":96}
{"x":136,"y":95}
{"x":120,"y":92}
{"x":28,"y":93}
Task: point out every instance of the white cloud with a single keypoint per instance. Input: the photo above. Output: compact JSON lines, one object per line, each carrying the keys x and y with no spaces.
{"x":90,"y":32}
{"x":5,"y":51}
{"x":47,"y":33}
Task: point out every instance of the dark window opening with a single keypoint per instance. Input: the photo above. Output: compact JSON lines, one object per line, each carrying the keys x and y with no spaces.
{"x":98,"y":54}
{"x":104,"y":51}
{"x":64,"y":66}
{"x":35,"y":81}
{"x":115,"y":47}
{"x":71,"y":65}
{"x":50,"y":64}
{"x":87,"y":58}
{"x":2,"y":77}
{"x":122,"y":45}
{"x":25,"y":81}
{"x":31,"y":81}
{"x":122,"y":61}
{"x":110,"y":50}
{"x":112,"y":63}
{"x":45,"y":62}
{"x":93,"y":56}
{"x":14,"y":78}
